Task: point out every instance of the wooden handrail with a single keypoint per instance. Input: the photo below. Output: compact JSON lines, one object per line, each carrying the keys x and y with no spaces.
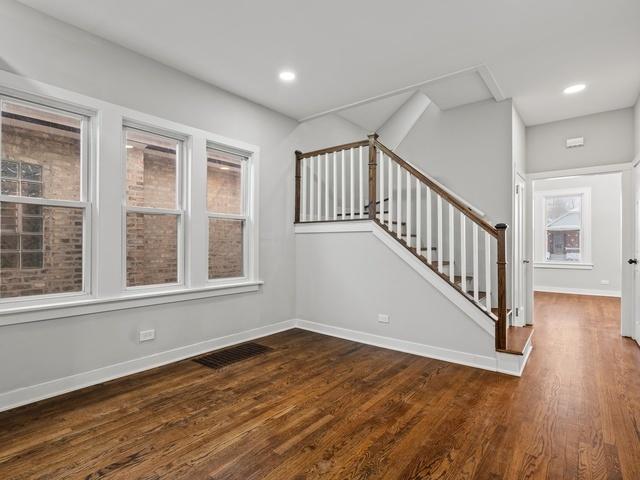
{"x":373,"y":174}
{"x":501,"y":324}
{"x":298,"y":187}
{"x":337,"y":148}
{"x":468,"y":211}
{"x":498,"y":232}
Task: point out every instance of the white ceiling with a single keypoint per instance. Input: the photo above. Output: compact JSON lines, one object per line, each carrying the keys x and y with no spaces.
{"x":347,"y":51}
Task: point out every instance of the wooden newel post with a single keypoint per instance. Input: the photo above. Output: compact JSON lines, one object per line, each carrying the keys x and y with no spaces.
{"x":372,"y":175}
{"x":501,"y":324}
{"x":298,"y":189}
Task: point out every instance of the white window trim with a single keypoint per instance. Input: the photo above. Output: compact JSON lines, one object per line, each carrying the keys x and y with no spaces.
{"x":540,"y":260}
{"x":249,"y":240}
{"x":105,"y":290}
{"x":178,"y":212}
{"x":85,"y":201}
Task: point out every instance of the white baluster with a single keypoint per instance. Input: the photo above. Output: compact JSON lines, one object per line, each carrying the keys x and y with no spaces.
{"x":335,"y":185}
{"x":319,"y":205}
{"x":440,"y":252}
{"x":418,"y":218}
{"x":452,"y":251}
{"x":463,"y":251}
{"x":381,"y":196}
{"x":352,"y":181}
{"x":408,"y":209}
{"x":305,"y":175}
{"x":487,"y":269}
{"x":476,"y":273}
{"x":343,"y":195}
{"x":399,"y":201}
{"x":428,"y":227}
{"x":390,"y":195}
{"x":361,"y":184}
{"x":312,"y":205}
{"x":326,"y":186}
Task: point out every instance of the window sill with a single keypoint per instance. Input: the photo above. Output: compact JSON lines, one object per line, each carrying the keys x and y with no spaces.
{"x":84,"y":305}
{"x":564,"y":265}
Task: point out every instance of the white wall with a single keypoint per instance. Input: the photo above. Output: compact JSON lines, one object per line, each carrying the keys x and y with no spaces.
{"x":467,"y":149}
{"x":346,"y":279}
{"x":608,"y":139}
{"x":636,"y":111}
{"x":605,"y":237}
{"x":518,"y":143}
{"x":40,"y":48}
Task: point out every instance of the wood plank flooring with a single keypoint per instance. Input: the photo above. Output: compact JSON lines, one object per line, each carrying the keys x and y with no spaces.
{"x":318,"y":407}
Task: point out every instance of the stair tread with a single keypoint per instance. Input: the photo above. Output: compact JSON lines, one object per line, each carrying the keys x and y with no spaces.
{"x":517,"y":339}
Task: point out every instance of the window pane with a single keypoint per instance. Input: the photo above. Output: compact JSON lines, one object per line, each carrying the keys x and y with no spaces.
{"x":31,"y":242}
{"x":9,"y":187}
{"x":224,"y":182}
{"x":151,"y":170}
{"x":44,"y":264}
{"x":152,"y":249}
{"x":9,"y":260}
{"x":563,"y":223}
{"x":226,"y":257}
{"x":42,"y":148}
{"x":9,"y":241}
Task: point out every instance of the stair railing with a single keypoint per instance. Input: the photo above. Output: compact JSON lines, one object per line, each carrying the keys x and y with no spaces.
{"x":333,"y":184}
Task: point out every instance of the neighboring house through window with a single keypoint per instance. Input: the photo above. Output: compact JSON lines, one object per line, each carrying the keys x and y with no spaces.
{"x":563,"y":226}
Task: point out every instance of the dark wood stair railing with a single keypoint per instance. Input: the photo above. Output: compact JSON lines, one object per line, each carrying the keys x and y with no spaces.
{"x":312,"y":167}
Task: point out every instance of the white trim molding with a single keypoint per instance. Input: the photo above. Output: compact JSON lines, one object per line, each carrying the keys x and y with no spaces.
{"x":578,"y":291}
{"x":564,"y":265}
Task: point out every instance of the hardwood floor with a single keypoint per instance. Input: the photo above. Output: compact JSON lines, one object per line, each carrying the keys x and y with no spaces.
{"x":321,"y":407}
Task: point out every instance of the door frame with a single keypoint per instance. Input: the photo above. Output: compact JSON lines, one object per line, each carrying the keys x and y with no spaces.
{"x":520,"y":253}
{"x":626,"y":170}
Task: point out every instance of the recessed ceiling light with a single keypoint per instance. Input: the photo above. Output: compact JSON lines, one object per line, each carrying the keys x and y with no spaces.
{"x":575,"y":88}
{"x":224,"y":168}
{"x":287,"y":76}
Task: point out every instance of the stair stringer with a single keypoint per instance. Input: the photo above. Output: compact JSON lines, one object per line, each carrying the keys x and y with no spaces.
{"x":454,"y":296}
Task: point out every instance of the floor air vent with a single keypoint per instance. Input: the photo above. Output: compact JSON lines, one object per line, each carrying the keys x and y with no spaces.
{"x":232,"y":355}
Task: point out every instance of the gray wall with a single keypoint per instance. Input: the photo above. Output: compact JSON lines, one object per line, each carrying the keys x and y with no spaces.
{"x":605,"y":236}
{"x":38,"y":47}
{"x":347,"y":279}
{"x":636,"y":111}
{"x":468,"y":149}
{"x":519,"y":144}
{"x":608,"y":138}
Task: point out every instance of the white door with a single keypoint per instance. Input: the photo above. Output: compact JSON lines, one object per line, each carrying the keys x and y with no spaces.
{"x":520,"y":263}
{"x":636,"y":254}
{"x":636,"y":268}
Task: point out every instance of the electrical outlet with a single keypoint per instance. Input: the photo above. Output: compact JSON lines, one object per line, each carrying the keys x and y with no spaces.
{"x":604,"y":282}
{"x":383,"y":318}
{"x":147,"y":335}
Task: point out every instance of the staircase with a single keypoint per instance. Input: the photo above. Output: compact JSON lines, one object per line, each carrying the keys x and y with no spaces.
{"x":366,"y":181}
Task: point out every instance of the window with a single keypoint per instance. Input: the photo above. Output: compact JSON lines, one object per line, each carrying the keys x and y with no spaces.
{"x":563,"y":220}
{"x":43,"y":207}
{"x":226,"y":206}
{"x":563,"y":227}
{"x":153,"y":208}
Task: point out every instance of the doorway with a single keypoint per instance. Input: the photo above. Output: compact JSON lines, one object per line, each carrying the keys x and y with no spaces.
{"x":577,"y":235}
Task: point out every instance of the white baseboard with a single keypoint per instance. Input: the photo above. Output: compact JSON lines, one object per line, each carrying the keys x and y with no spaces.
{"x":438,"y":353}
{"x":52,"y":388}
{"x":25,"y":395}
{"x":579,"y":291}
